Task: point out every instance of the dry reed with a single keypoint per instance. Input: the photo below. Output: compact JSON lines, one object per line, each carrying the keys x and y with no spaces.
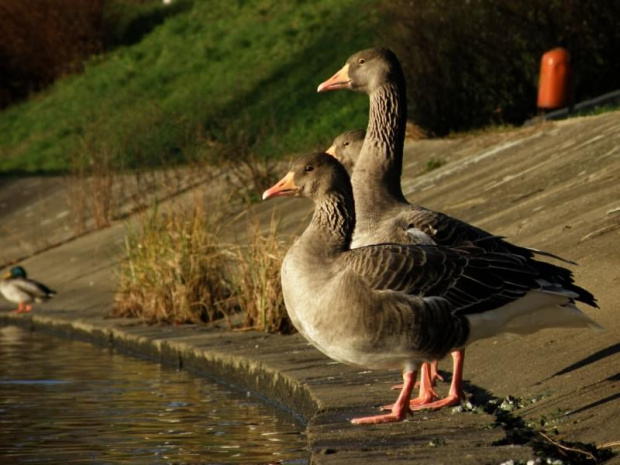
{"x":175,"y":270}
{"x":256,"y":282}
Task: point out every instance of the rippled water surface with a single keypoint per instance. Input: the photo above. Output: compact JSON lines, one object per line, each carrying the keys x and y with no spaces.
{"x":66,"y":402}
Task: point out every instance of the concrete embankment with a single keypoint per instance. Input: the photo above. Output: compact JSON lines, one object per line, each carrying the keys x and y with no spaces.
{"x":553,"y":187}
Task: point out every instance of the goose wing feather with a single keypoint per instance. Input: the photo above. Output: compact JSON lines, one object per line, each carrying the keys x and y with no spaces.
{"x":471,"y":279}
{"x":435,"y":227}
{"x":448,"y":231}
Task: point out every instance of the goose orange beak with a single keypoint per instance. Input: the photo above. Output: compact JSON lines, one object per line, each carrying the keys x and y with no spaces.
{"x":340,"y":80}
{"x":285,"y":187}
{"x":331,"y":151}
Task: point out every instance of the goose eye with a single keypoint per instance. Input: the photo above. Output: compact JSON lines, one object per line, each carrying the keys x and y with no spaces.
{"x":346,"y":143}
{"x":309,"y":168}
{"x":361,"y":61}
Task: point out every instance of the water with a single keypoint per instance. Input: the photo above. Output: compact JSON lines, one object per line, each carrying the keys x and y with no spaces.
{"x":68,"y":402}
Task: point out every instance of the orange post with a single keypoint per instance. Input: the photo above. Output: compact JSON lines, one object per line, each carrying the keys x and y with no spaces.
{"x":555,"y":74}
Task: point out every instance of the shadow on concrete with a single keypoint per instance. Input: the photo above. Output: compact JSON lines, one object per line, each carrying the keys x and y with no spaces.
{"x":601,"y":354}
{"x":595,"y":404}
{"x":519,"y":432}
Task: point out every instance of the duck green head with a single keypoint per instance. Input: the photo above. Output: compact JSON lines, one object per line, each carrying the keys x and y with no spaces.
{"x":16,"y":272}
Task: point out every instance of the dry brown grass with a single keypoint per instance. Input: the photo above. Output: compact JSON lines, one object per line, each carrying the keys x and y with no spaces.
{"x":101,"y":189}
{"x":246,"y":172}
{"x":90,"y":188}
{"x":175,"y":269}
{"x":256,"y":281}
{"x":414,"y":132}
{"x":247,"y":177}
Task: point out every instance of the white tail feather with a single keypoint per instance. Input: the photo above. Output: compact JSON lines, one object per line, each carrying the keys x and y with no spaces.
{"x":567,"y":316}
{"x":537,"y":310}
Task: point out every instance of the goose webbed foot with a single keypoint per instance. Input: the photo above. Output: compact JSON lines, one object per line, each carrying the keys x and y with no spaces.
{"x":453,"y":398}
{"x":392,"y":417}
{"x":456,"y":394}
{"x":400,"y":409}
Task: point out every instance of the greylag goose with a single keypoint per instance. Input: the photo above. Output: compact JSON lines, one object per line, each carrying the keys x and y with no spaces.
{"x":346,"y":148}
{"x":398,"y":305}
{"x":383,"y":214}
{"x":17,"y":288}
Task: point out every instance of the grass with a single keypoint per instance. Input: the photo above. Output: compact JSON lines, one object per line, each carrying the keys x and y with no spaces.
{"x":177,"y":269}
{"x":206,"y":74}
{"x":486,"y":130}
{"x":600,"y":110}
{"x":98,"y":192}
{"x":256,"y":281}
{"x":433,"y":164}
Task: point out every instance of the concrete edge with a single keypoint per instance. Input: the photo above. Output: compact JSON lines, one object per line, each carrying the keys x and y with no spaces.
{"x":267,"y":383}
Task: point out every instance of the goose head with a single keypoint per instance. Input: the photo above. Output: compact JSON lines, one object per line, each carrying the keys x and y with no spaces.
{"x":347,"y":147}
{"x":314,"y":176}
{"x":365,"y":71}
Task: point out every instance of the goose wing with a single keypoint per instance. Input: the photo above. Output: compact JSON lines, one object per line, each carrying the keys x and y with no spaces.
{"x":447,"y":231}
{"x":471,"y":279}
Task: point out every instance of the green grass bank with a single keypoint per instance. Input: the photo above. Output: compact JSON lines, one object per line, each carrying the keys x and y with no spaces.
{"x":214,"y":81}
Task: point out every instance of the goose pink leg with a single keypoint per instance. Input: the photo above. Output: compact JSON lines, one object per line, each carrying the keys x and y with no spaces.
{"x":400,"y":408}
{"x":434,"y":377}
{"x":427,"y":394}
{"x":456,"y":393}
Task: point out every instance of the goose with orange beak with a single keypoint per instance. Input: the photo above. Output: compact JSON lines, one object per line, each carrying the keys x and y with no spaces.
{"x":383,"y":213}
{"x":395,"y":306}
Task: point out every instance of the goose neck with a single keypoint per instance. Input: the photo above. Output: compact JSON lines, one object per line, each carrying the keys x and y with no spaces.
{"x":387,"y":120}
{"x":379,"y":168}
{"x":331,"y":228}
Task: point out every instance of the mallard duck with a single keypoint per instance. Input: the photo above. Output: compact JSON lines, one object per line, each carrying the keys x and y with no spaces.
{"x":16,"y":287}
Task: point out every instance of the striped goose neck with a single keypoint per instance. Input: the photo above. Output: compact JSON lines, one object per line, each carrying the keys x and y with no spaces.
{"x":379,"y":168}
{"x":331,"y":228}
